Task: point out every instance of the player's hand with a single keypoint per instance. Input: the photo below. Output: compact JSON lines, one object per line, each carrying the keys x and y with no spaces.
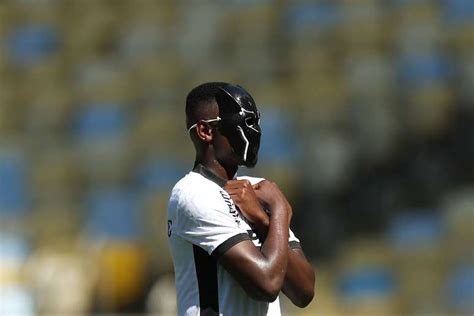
{"x":243,"y":195}
{"x":270,"y":195}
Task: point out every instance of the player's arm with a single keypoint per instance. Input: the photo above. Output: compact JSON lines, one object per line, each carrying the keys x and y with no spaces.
{"x":299,"y":279}
{"x":298,"y":285}
{"x":260,"y":272}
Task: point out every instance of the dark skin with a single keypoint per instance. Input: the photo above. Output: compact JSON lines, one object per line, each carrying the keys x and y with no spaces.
{"x":264,"y":272}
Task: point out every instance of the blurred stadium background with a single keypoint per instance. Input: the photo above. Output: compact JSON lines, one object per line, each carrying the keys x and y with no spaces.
{"x":368,"y":120}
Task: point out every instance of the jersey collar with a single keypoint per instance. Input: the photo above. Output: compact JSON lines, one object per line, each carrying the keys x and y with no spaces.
{"x":210,"y":175}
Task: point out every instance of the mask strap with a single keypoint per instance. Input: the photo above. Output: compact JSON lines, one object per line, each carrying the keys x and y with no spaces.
{"x":207,"y":121}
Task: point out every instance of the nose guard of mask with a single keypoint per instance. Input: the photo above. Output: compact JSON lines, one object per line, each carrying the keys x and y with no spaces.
{"x":240,"y":122}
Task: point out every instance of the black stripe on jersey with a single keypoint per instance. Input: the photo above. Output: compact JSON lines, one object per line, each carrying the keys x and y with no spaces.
{"x":206,"y":272}
{"x":226,"y":245}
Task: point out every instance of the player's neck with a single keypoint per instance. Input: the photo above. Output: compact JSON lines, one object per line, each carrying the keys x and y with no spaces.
{"x":217,"y":168}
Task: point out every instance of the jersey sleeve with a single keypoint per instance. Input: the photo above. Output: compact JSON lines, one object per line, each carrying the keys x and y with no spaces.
{"x":211,"y":222}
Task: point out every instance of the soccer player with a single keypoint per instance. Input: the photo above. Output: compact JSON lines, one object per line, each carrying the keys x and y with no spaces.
{"x":232,"y":248}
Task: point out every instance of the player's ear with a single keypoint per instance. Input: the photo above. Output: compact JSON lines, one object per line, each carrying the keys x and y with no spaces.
{"x":204,"y":131}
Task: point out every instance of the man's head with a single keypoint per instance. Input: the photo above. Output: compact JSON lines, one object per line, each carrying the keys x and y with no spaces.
{"x":226,"y":117}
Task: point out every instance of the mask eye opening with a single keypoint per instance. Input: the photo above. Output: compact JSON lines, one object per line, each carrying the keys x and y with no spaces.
{"x":250,"y":121}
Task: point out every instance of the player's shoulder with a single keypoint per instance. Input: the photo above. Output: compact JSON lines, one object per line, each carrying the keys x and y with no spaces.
{"x":193,"y":183}
{"x":195,"y":191}
{"x":252,"y":180}
{"x":185,"y":181}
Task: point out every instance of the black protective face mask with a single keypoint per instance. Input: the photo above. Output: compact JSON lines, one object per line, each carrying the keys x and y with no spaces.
{"x":240,"y":122}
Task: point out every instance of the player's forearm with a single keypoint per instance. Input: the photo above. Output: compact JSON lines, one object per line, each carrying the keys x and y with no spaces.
{"x":298,"y":283}
{"x":299,"y":279}
{"x":275,"y":248}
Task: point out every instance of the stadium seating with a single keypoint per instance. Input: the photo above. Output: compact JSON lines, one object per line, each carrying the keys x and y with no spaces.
{"x":366,"y":115}
{"x":14,"y":190}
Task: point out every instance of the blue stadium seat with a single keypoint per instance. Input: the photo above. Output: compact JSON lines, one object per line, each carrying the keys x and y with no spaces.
{"x":113,"y":215}
{"x":309,"y":16}
{"x":160,"y":175}
{"x":14,"y":193}
{"x":100,"y":121}
{"x":101,"y":133}
{"x":30,"y":44}
{"x":415,"y":230}
{"x":460,"y":289}
{"x":278,"y":137}
{"x":366,"y":282}
{"x":458,"y":11}
{"x":411,"y":3}
{"x":416,"y":237}
{"x":420,"y":70}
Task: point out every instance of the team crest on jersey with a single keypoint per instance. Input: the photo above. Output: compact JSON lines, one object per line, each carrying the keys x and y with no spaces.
{"x":232,"y":209}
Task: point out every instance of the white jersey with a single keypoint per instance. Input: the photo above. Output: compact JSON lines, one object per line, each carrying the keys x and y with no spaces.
{"x":203,"y":223}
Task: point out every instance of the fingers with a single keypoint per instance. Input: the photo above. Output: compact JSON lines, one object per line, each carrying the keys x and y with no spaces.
{"x":240,"y":191}
{"x":237,"y":184}
{"x":232,"y":192}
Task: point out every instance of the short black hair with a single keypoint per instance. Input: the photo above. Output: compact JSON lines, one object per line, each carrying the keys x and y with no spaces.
{"x":199,"y":97}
